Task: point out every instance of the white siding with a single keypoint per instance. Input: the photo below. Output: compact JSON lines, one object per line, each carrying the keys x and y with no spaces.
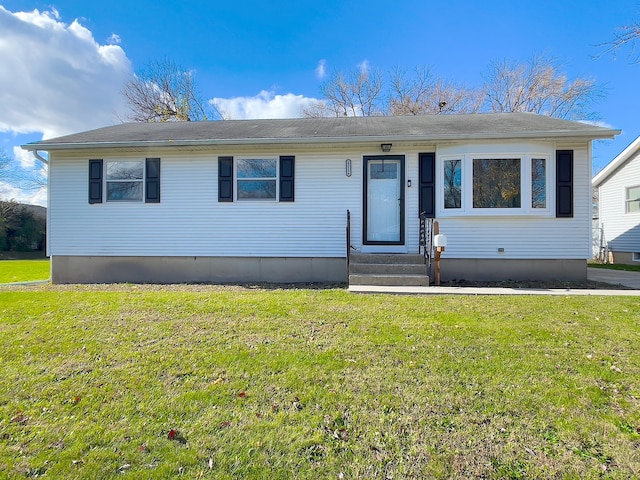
{"x":189,"y":220}
{"x":621,"y":229}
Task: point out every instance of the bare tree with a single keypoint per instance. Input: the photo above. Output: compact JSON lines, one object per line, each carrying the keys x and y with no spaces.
{"x":358,"y":93}
{"x":164,"y":92}
{"x":625,"y":36}
{"x":24,"y":179}
{"x":423,"y":94}
{"x":538,"y":86}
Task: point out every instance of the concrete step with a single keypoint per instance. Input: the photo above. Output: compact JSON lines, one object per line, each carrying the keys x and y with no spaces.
{"x":388,"y":268}
{"x":386,"y":258}
{"x":389,"y":280}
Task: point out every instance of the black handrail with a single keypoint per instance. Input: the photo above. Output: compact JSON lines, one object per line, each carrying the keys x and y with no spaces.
{"x":426,"y":239}
{"x":348,"y":238}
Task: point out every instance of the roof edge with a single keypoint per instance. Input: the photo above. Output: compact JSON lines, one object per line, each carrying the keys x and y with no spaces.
{"x":600,"y":133}
{"x":614,"y":164}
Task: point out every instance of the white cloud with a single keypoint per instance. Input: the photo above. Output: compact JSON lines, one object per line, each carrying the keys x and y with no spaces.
{"x":55,"y":78}
{"x":11,"y":192}
{"x":114,"y":39}
{"x":26,"y":159}
{"x":321,"y":69}
{"x":364,"y":66}
{"x":264,"y":105}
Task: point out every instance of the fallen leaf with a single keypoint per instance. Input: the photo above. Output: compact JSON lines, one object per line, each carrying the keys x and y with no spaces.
{"x":210,"y":463}
{"x":143,"y":448}
{"x":218,"y":381}
{"x":20,"y":418}
{"x":176,"y":436}
{"x":76,"y":399}
{"x":124,"y":467}
{"x":242,"y":394}
{"x":225,"y":424}
{"x":615,"y":369}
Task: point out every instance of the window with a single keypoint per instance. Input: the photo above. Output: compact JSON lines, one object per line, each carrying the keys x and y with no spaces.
{"x":124,"y":181}
{"x":452,"y":183}
{"x":636,"y":256}
{"x":496,"y":183}
{"x":632,"y":200}
{"x":538,"y":183}
{"x":256,"y":178}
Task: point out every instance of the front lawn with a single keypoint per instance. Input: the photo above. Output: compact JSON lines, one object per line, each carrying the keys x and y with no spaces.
{"x":228,"y":382}
{"x":23,"y":270}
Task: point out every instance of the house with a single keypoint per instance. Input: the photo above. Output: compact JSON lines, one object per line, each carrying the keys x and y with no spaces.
{"x":618,"y":186}
{"x":267,"y":200}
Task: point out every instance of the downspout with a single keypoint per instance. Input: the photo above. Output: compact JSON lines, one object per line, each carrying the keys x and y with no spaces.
{"x":40,"y":157}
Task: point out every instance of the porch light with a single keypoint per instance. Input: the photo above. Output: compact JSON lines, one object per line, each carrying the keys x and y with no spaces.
{"x":386,"y":147}
{"x":347,"y":167}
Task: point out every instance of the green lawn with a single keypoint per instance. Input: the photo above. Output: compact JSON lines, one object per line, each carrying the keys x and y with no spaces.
{"x":155,"y":382}
{"x":616,"y":266}
{"x":23,"y":270}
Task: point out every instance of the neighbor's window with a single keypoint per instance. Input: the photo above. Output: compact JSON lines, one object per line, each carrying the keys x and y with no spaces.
{"x":452,"y":183}
{"x":636,"y":256}
{"x":256,"y":178}
{"x":496,"y":183}
{"x":632,"y":200}
{"x":124,"y":181}
{"x":538,"y":183}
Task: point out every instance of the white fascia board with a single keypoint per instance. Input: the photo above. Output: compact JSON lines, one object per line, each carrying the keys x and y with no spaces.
{"x":616,"y":162}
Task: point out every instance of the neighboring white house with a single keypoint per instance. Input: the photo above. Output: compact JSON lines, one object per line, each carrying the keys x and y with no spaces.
{"x":267,"y":200}
{"x":618,"y":187}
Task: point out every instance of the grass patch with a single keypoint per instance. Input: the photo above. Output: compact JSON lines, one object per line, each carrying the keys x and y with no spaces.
{"x":24,"y":270}
{"x":210,"y":382}
{"x":616,"y":266}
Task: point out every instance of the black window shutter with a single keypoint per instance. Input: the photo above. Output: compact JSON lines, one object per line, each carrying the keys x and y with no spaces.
{"x":287,"y":178}
{"x":427,"y":193}
{"x":225,"y":179}
{"x":564,"y":183}
{"x":95,"y":181}
{"x":152,"y":180}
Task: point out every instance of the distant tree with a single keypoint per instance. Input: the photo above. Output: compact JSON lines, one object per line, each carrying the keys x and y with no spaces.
{"x":166,"y":92}
{"x":356,"y":94}
{"x":20,"y":229}
{"x":538,"y":86}
{"x":625,"y":36}
{"x":422,"y":94}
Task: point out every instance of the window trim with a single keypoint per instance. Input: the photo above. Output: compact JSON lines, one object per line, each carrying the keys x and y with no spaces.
{"x":627,"y":201}
{"x":526,"y":188}
{"x":236,"y":180}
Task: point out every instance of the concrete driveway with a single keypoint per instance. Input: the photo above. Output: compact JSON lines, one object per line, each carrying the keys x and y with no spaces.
{"x":615,"y":277}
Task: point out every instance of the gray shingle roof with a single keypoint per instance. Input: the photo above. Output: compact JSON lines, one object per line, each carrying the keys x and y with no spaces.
{"x":312,"y":130}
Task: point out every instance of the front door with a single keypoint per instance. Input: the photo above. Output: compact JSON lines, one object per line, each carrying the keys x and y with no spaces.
{"x":384,"y":200}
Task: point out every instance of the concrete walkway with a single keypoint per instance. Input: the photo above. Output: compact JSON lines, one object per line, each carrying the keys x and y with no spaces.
{"x":614,"y":277}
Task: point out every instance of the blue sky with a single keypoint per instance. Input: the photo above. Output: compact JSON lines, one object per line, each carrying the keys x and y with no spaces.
{"x":64,"y":65}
